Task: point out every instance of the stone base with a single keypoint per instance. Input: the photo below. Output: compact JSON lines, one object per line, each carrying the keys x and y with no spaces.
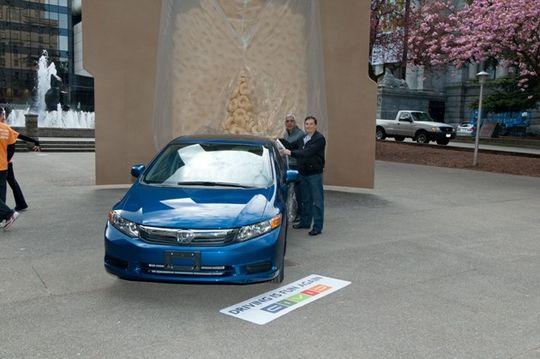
{"x":61,"y":132}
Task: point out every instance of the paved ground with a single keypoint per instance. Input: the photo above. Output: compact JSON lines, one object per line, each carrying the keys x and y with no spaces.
{"x":485,"y":147}
{"x":444,"y":263}
{"x":482,"y":146}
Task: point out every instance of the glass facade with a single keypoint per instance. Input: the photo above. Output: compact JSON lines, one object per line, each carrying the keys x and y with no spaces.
{"x":27,"y":27}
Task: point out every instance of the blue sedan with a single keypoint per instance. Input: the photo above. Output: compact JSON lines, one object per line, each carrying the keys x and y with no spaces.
{"x":206,"y":209}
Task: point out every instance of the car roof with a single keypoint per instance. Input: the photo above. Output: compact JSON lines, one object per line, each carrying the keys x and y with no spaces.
{"x":224,"y":138}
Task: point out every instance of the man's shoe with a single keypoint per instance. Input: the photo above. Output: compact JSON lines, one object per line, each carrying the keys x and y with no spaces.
{"x":296,"y":220}
{"x":10,"y":220}
{"x":299,"y":226}
{"x":21,"y":208}
{"x":314,"y":232}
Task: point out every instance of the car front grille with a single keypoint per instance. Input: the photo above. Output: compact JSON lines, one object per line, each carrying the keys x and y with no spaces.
{"x":179,"y":270}
{"x":446,"y":129}
{"x":187,"y":237}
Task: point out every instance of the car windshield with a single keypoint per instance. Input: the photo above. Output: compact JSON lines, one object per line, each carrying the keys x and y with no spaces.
{"x":212,"y":164}
{"x":421,"y":116}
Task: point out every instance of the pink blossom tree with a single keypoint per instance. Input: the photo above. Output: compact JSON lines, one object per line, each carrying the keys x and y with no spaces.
{"x":388,"y":25}
{"x":506,"y":30}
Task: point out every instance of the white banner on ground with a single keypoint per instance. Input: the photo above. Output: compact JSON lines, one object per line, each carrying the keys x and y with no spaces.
{"x":271,"y":305}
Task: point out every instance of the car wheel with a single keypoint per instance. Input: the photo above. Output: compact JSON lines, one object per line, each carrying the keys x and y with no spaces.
{"x":422,"y":137}
{"x":443,"y":142}
{"x":279,"y":278}
{"x":380,"y":134}
{"x":399,"y":138}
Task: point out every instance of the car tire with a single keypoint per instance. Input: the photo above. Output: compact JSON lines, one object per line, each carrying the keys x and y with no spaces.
{"x":380,"y":134}
{"x":399,"y":138}
{"x":443,"y":142}
{"x":279,"y":278}
{"x":422,"y":137}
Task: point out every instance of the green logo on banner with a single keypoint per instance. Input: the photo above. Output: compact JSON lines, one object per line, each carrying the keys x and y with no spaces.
{"x":286,"y":302}
{"x":297,"y":298}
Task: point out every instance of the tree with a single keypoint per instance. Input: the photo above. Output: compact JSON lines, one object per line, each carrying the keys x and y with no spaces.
{"x":387,"y":31}
{"x":506,"y":30}
{"x":507,"y":96}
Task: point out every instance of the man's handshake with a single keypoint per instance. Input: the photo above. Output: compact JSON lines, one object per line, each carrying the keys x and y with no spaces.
{"x":285,"y":152}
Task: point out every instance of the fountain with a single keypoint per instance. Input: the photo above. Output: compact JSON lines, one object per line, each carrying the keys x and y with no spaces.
{"x":47,"y":103}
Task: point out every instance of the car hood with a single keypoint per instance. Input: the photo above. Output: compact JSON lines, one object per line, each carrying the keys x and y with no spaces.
{"x":431,"y":123}
{"x":197,"y":207}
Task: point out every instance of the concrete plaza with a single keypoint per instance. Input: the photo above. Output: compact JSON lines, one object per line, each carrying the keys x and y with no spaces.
{"x":444,"y":263}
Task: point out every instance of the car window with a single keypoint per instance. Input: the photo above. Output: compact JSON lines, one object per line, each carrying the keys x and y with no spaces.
{"x":282,"y":159}
{"x":279,"y":159}
{"x":422,"y":116}
{"x":282,"y":162}
{"x":404,"y":117}
{"x":238,"y":164}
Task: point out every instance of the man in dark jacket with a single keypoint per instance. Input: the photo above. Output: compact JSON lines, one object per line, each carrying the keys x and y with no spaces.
{"x":309,"y":152}
{"x":292,"y":134}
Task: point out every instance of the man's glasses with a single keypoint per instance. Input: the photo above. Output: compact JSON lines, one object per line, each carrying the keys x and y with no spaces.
{"x":289,"y":120}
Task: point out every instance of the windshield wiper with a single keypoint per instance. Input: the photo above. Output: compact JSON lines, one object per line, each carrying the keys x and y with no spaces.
{"x":208,"y":183}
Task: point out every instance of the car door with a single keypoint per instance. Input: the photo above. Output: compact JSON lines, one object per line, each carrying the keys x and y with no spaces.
{"x":404,"y":125}
{"x":286,"y":190}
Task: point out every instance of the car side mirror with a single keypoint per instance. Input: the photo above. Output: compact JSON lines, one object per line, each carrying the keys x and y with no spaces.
{"x":137,"y":170}
{"x":291,"y":176}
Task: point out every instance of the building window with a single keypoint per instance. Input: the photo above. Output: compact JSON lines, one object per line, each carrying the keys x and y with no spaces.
{"x":53,"y":16}
{"x":63,"y":43}
{"x":63,"y":21}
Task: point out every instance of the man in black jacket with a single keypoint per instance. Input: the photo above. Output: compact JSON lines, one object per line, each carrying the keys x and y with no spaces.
{"x":309,"y":152}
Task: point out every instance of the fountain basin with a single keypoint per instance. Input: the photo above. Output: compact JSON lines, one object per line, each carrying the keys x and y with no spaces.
{"x":34,"y":125}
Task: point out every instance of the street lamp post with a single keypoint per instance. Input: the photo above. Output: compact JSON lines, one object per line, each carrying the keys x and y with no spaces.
{"x":482,"y":76}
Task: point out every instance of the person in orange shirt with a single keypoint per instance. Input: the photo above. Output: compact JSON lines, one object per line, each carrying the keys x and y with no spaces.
{"x":7,"y":137}
{"x":20,"y":202}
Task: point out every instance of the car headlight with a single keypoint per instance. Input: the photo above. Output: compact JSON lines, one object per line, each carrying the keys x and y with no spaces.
{"x":434,"y":129}
{"x":123,"y":225}
{"x":258,"y":229}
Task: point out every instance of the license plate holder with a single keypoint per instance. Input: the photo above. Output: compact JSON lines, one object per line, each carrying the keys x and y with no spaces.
{"x":172,"y":258}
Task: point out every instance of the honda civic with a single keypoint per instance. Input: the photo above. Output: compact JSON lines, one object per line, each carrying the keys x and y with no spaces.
{"x":205,"y":209}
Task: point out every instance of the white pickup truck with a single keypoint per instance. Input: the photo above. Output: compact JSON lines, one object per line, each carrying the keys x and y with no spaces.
{"x":417,"y":125}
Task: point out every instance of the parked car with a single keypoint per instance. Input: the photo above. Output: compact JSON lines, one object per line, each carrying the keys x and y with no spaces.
{"x":206,"y":209}
{"x":465,"y":129}
{"x":417,"y":125}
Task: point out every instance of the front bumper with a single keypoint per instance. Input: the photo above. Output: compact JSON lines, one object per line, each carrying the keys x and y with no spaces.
{"x":464,"y":133}
{"x":255,"y":260}
{"x":437,"y":136}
